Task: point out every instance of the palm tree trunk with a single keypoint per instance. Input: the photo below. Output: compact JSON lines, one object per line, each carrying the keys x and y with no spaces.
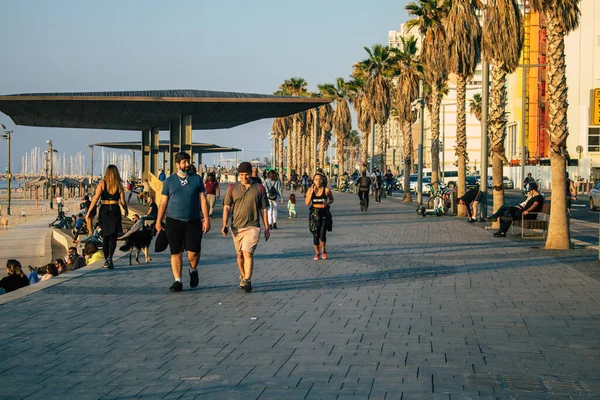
{"x":280,"y":156}
{"x":496,"y":125}
{"x":290,"y":152}
{"x":322,"y":149}
{"x":380,"y":146}
{"x":435,"y":136}
{"x":559,"y":235}
{"x":340,"y":154}
{"x":296,"y":145}
{"x":461,"y":138}
{"x":407,"y":160}
{"x":364,"y":149}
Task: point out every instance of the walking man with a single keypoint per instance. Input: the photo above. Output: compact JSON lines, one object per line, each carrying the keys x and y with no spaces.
{"x":364,"y":185}
{"x":249,"y":203}
{"x":183,"y":198}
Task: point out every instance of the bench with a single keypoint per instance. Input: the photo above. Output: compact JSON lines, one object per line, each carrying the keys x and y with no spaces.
{"x":541,"y":222}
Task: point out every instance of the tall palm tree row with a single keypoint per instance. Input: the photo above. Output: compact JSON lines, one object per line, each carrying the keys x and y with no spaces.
{"x":326,"y":122}
{"x":429,"y":16}
{"x":464,"y":54}
{"x":342,"y":119}
{"x":502,"y":43}
{"x":295,"y":86}
{"x":280,"y":128}
{"x":408,"y":71}
{"x":358,"y":99}
{"x":378,"y":68}
{"x":562,"y":17}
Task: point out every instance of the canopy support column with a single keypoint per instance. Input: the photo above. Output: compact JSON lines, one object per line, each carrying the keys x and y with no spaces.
{"x":145,"y":153}
{"x":186,"y":134}
{"x":154,"y":133}
{"x":174,"y":143}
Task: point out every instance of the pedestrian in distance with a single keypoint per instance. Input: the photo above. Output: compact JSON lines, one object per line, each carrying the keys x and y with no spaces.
{"x":274,"y":190}
{"x":377,"y":182}
{"x":255,"y":178}
{"x":213,"y":192}
{"x":319,"y":198}
{"x":110,"y":192}
{"x":184,"y":203}
{"x":292,"y":206}
{"x":247,"y":202}
{"x":571,"y":193}
{"x":364,"y":185}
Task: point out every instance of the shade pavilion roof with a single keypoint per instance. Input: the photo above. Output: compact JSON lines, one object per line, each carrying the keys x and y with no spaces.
{"x":140,"y":110}
{"x":163,"y":145}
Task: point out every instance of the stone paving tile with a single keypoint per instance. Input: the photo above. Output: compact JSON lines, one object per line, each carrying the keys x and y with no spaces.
{"x":405,"y":307}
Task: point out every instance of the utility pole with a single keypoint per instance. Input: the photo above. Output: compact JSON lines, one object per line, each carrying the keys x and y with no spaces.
{"x":91,"y":146}
{"x":420,"y":146}
{"x":49,"y":142}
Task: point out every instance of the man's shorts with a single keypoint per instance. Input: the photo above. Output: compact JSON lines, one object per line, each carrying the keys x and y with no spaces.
{"x":184,"y":235}
{"x":245,"y":239}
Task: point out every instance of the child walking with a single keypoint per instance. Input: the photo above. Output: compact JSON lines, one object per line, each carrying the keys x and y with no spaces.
{"x":292,"y":205}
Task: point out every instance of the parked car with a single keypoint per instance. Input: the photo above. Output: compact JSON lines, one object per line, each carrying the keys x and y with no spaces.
{"x":472,"y":182}
{"x":595,"y":196}
{"x":490,"y":182}
{"x":507,"y":183}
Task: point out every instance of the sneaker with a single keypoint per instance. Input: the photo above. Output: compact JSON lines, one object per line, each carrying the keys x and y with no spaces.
{"x":274,"y":225}
{"x":499,"y":234}
{"x":176,"y":287}
{"x":241,"y":285}
{"x":290,"y":217}
{"x":324,"y":255}
{"x":194,"y":278}
{"x":316,"y":257}
{"x":110,"y":264}
{"x":105,"y":264}
{"x":247,"y":286}
{"x":471,"y":221}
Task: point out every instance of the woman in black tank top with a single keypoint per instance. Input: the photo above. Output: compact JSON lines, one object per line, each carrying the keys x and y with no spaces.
{"x":110,"y":192}
{"x":319,"y":198}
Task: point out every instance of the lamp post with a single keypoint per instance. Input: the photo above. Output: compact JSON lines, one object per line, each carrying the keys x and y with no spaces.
{"x":91,"y":146}
{"x":51,"y":147}
{"x":421,"y":138}
{"x":6,"y":136}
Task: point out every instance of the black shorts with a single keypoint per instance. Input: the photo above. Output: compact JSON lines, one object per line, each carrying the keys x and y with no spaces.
{"x":184,"y":235}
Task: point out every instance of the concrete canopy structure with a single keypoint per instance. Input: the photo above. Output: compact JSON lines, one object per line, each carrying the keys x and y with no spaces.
{"x":163,"y":146}
{"x":179,"y":111}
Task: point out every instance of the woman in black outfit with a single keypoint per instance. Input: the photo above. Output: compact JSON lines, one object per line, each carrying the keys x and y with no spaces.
{"x":319,"y":198}
{"x":16,"y":279}
{"x":110,"y":191}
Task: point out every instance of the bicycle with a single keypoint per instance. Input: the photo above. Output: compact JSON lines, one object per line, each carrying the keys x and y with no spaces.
{"x":439,"y":202}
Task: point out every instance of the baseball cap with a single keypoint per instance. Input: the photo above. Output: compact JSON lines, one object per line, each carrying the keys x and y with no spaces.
{"x":533,"y":186}
{"x":245,"y":167}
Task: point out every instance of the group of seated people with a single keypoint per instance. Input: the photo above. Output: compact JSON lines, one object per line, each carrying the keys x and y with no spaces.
{"x":17,"y":279}
{"x":528,"y":209}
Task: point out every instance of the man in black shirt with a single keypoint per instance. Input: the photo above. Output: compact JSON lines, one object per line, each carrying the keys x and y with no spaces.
{"x":364,"y":184}
{"x":471,"y":200}
{"x":534,"y":205}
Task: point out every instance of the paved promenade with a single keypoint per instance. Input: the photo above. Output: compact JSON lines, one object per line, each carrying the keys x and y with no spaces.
{"x":405,"y":308}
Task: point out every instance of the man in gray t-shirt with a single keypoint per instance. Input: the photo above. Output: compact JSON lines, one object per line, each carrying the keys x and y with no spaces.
{"x":247,"y":202}
{"x":183,"y":200}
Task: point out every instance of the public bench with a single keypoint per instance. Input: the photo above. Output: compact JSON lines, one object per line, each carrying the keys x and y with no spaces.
{"x":540,"y":223}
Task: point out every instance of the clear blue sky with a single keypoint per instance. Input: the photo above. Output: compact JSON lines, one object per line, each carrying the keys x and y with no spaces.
{"x":244,"y":46}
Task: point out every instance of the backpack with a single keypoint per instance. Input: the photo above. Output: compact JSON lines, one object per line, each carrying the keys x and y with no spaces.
{"x":363,"y":184}
{"x":272,"y":193}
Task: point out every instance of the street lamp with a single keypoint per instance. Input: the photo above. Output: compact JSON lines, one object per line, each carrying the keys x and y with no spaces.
{"x":91,"y":146}
{"x":6,"y":136}
{"x":51,"y":146}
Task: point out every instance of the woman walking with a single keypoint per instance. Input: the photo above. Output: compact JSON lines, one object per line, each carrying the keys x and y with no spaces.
{"x":274,"y":189}
{"x":319,"y":198}
{"x":110,"y":191}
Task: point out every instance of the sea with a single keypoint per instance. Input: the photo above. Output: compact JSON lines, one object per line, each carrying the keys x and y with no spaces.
{"x":13,"y":183}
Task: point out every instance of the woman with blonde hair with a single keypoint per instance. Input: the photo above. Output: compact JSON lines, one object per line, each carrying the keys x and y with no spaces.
{"x":110,"y":192}
{"x":16,"y":279}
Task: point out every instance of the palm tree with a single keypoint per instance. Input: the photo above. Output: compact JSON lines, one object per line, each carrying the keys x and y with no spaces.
{"x":429,"y":19}
{"x":562,"y":17}
{"x":501,"y":45}
{"x":342,"y":120}
{"x":293,"y":87}
{"x":377,"y":91}
{"x":280,"y":128}
{"x":325,"y":120}
{"x":408,"y":73}
{"x":463,"y":34}
{"x":475,"y":106}
{"x":358,"y":99}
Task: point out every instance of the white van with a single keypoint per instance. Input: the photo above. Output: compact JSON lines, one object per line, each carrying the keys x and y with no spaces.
{"x":450,"y":176}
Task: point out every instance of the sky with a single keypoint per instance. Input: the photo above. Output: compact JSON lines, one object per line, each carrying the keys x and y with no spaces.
{"x":225,"y":45}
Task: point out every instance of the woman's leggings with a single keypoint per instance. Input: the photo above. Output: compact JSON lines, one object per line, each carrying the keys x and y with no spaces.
{"x":320,"y":235}
{"x":109,"y":245}
{"x":272,"y":212}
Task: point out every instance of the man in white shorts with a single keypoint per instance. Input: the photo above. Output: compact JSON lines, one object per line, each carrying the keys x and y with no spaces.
{"x":249,"y":203}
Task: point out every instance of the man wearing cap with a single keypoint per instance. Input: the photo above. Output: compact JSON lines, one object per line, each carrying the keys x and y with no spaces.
{"x":183,"y":199}
{"x":533,"y":205}
{"x":247,"y":202}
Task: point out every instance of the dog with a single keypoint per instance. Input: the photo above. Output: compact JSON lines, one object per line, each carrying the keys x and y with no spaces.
{"x":140,"y":241}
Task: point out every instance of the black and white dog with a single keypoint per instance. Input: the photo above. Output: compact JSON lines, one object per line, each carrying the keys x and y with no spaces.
{"x":140,"y":241}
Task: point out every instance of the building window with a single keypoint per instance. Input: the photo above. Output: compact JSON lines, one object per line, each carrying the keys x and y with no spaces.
{"x":511,"y":140}
{"x":594,"y":140}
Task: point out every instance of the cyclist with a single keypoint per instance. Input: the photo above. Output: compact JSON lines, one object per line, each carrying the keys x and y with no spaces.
{"x":389,"y":181}
{"x":377,"y":180}
{"x":364,"y":184}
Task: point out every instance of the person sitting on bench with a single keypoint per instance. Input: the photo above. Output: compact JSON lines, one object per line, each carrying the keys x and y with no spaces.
{"x":533,"y":205}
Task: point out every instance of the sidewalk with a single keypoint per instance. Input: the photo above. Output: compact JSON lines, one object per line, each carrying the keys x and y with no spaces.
{"x":406,"y":307}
